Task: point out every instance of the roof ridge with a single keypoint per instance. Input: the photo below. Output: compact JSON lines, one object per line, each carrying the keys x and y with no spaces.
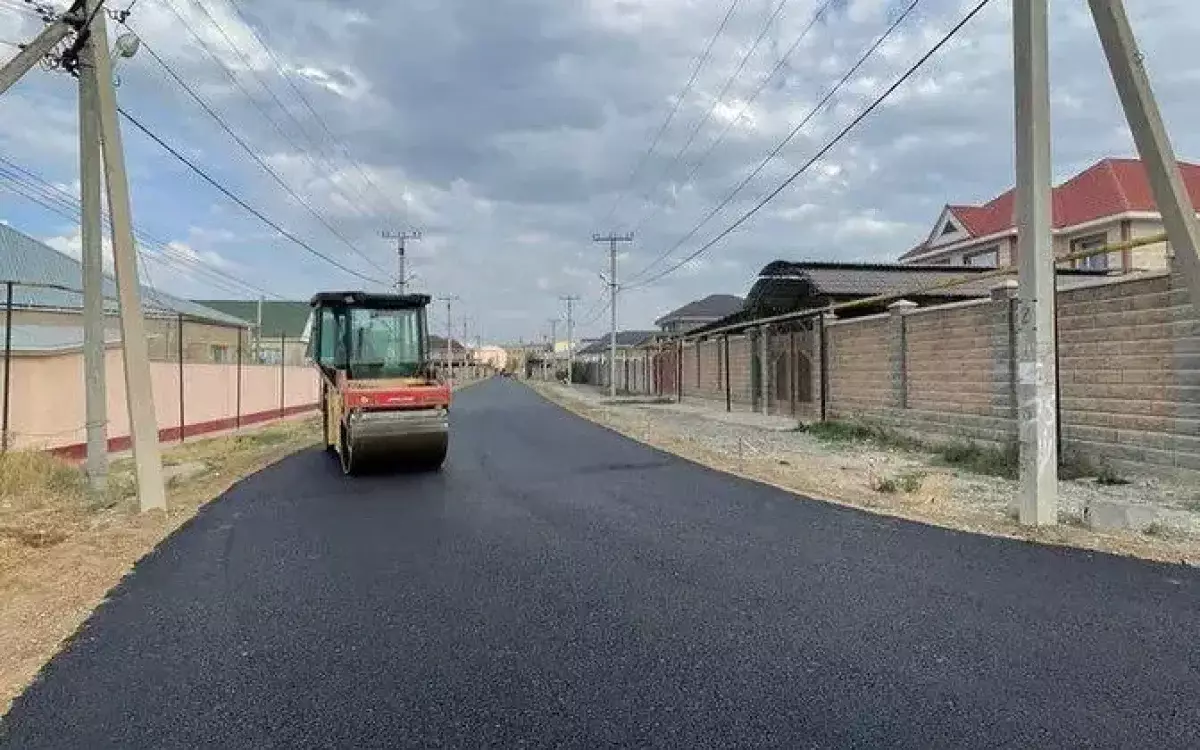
{"x":1112,"y":173}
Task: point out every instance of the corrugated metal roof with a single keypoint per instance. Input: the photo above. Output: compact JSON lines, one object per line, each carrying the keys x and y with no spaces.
{"x":279,"y":317}
{"x":625,"y":339}
{"x":784,"y":286}
{"x":709,"y":308}
{"x":33,"y":339}
{"x":24,"y":259}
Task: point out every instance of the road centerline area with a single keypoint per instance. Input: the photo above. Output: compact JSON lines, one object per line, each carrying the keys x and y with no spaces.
{"x":557,"y":585}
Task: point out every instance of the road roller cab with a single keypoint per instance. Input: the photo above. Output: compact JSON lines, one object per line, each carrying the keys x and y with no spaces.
{"x":382,"y":404}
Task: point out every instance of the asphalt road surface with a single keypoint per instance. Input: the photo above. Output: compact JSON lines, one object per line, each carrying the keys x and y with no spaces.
{"x":559,"y":586}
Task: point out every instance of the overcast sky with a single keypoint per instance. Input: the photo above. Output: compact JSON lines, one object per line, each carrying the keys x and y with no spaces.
{"x":507,"y":130}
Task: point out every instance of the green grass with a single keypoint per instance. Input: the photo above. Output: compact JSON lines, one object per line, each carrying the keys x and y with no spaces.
{"x":978,"y":459}
{"x":908,"y":483}
{"x":886,"y":486}
{"x":839,"y":432}
{"x":1157,"y":529}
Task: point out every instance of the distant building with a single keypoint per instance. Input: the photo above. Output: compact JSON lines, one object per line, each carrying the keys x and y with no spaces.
{"x":626,"y":341}
{"x":1107,"y":203}
{"x":491,"y":356}
{"x":48,"y":308}
{"x":699,"y":312}
{"x":279,"y":328}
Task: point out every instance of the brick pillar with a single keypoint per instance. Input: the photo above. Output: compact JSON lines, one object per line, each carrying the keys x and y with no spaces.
{"x":899,"y":351}
{"x":1004,"y":353}
{"x":764,"y":368}
{"x":822,"y":346}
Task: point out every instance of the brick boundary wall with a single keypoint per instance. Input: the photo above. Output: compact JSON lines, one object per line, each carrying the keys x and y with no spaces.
{"x":1129,"y":370}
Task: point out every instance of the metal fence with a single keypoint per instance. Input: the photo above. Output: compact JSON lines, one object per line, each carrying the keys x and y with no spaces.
{"x":206,"y":374}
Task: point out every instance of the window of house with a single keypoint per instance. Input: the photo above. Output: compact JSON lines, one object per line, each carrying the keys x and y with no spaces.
{"x":949,"y":229}
{"x":1094,"y":262}
{"x":989,"y":258}
{"x":219,"y":353}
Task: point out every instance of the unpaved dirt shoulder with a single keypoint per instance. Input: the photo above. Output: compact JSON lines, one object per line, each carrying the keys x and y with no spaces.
{"x":851,"y":474}
{"x":59,"y":558}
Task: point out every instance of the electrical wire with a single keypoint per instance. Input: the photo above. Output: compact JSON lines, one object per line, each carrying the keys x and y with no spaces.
{"x":824,"y":149}
{"x":73,"y":217}
{"x":279,"y":130}
{"x":238,"y":200}
{"x":379,"y":192}
{"x":329,"y":164}
{"x":29,"y":179}
{"x":762,"y":85}
{"x":729,"y":81}
{"x":37,"y":190}
{"x":258,"y":159}
{"x":737,"y":189}
{"x":687,"y":88}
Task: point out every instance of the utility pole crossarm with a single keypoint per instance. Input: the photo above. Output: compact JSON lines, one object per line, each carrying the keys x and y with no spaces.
{"x":570,"y":300}
{"x":449,"y":300}
{"x":612,"y":238}
{"x":401,"y":237}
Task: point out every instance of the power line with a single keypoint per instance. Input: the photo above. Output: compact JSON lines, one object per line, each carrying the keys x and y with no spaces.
{"x":316,"y":115}
{"x":327,"y":160}
{"x":725,"y":88}
{"x":72,"y":216}
{"x":824,"y":149}
{"x":257,"y":159}
{"x":279,"y":130}
{"x":687,"y":87}
{"x":762,"y":85}
{"x":236,"y":199}
{"x":737,"y":189}
{"x":270,"y":91}
{"x":37,"y":189}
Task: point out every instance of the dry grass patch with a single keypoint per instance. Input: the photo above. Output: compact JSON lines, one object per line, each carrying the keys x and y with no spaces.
{"x":62,"y":550}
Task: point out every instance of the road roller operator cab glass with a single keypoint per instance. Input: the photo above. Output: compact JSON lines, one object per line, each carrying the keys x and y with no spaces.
{"x":370,"y":342}
{"x":384,"y":343}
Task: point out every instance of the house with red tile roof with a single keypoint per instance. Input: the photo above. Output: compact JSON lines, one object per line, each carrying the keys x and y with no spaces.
{"x":1108,"y":202}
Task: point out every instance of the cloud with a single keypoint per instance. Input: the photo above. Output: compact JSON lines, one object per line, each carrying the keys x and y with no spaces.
{"x":506,"y":131}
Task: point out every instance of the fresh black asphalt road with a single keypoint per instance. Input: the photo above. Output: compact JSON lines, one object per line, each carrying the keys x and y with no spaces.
{"x":559,"y":586}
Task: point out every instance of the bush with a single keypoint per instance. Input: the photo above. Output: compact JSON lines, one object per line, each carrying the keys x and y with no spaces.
{"x":908,"y":483}
{"x":835,"y":431}
{"x":971,"y":456}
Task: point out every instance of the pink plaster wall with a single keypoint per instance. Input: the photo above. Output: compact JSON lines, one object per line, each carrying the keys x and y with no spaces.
{"x":47,"y":396}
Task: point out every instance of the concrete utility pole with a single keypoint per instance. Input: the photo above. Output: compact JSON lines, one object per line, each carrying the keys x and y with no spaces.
{"x":258,"y":332}
{"x":612,"y":238}
{"x":139,"y":396}
{"x":570,"y":337}
{"x":401,"y":237}
{"x":1037,"y":410}
{"x":553,"y":348}
{"x":91,"y":182}
{"x":1150,"y":135}
{"x":449,"y":300}
{"x":466,"y":321}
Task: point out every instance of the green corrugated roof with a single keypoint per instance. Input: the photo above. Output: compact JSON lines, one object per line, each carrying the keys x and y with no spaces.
{"x":279,"y":317}
{"x":23,"y":258}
